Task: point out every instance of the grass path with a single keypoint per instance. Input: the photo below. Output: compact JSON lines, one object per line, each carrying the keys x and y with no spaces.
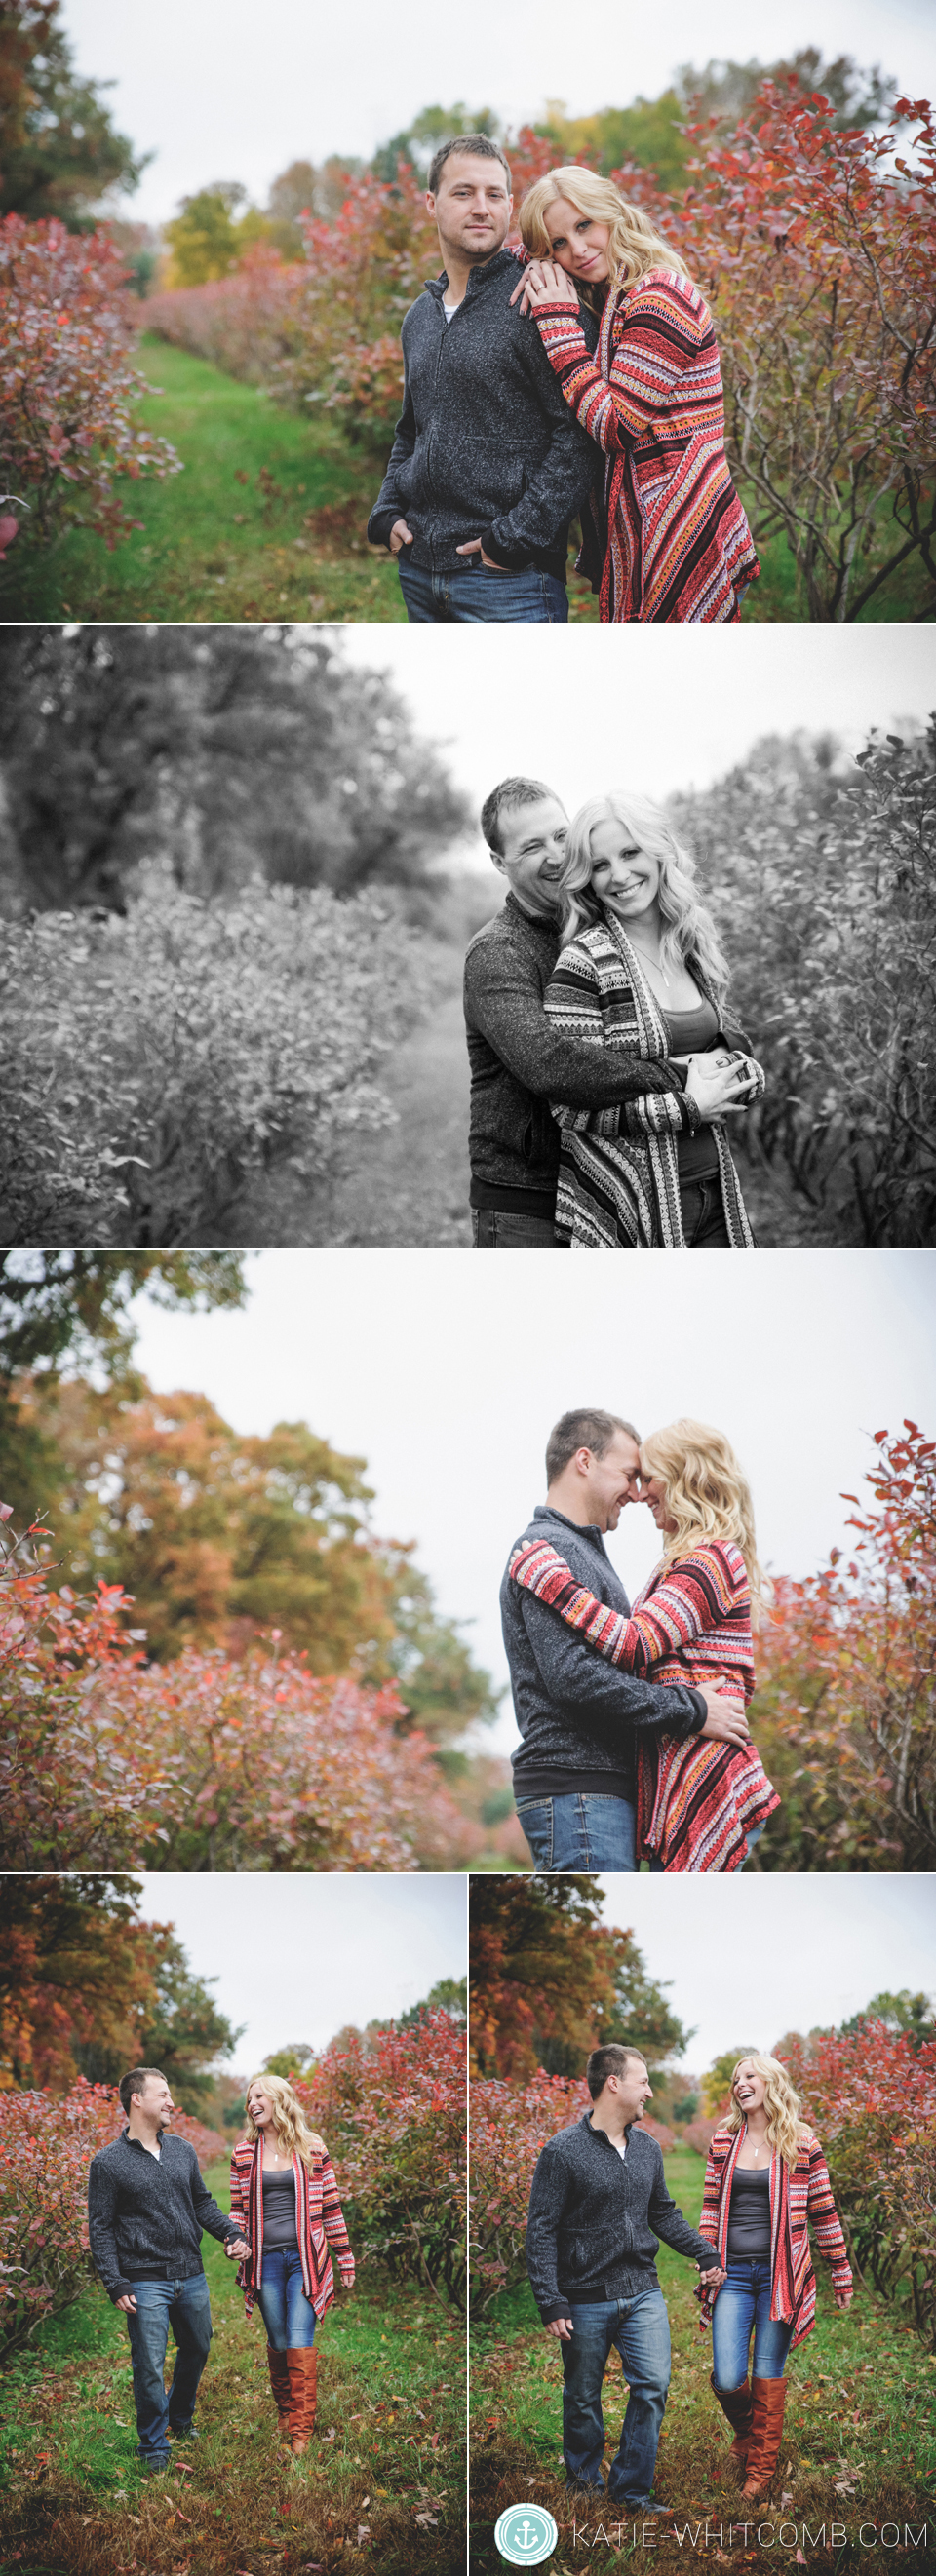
{"x":268,"y":521}
{"x":382,"y":2479}
{"x":859,"y":2442}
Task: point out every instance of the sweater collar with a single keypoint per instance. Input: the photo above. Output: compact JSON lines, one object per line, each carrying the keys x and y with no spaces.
{"x":478,"y":278}
{"x":582,"y":1529}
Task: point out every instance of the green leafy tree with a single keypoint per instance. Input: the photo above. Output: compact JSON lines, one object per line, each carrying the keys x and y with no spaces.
{"x":451,"y":1993}
{"x":725,"y":90}
{"x":184,"y":2032}
{"x":716,"y":2084}
{"x":417,"y":142}
{"x":290,"y":2061}
{"x":902,"y":2012}
{"x":648,"y":134}
{"x":74,"y":1304}
{"x":204,"y":239}
{"x":60,"y":153}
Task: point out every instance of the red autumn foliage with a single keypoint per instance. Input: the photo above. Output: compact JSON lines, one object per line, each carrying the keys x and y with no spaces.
{"x":845,"y":1665}
{"x":391,"y":2104}
{"x":509,"y":2125}
{"x":244,"y":323}
{"x":212,"y":1763}
{"x":68,"y":426}
{"x":870,"y":2095}
{"x":46,"y":2145}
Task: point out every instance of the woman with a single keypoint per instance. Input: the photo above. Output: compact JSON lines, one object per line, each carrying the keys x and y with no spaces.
{"x":701,"y":1803}
{"x":284,"y":2194}
{"x":640,"y":969}
{"x":765,"y":2179}
{"x":678,"y":545}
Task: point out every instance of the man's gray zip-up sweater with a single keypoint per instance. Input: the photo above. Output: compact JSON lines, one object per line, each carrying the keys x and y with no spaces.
{"x":596,"y":2218}
{"x":576,"y":1713}
{"x":520,"y":1061}
{"x":146,"y":2217}
{"x":485,"y":446}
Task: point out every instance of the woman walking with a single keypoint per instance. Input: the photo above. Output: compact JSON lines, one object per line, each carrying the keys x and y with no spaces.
{"x":641,"y":972}
{"x":676,"y":542}
{"x":285,"y":2198}
{"x":765,"y":2179}
{"x":701,"y":1804}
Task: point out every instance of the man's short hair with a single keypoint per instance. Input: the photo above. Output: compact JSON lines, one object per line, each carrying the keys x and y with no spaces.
{"x":481,"y":148}
{"x":503,"y":799}
{"x":584,"y":1430}
{"x":612,"y":2060}
{"x":136,"y":2083}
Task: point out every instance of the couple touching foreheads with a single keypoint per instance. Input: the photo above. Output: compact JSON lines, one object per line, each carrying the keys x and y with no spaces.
{"x":605,"y":1056}
{"x":636,"y":1744}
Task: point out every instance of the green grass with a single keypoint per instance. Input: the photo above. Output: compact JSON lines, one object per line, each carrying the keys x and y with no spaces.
{"x":216,"y":549}
{"x":388,"y":2445}
{"x":859,"y":2440}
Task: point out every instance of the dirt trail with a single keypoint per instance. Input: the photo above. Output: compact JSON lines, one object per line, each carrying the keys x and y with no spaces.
{"x":406,"y":1185}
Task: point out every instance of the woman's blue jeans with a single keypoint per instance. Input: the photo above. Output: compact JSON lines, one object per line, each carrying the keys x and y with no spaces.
{"x":289,"y":2317}
{"x":580,"y":1832}
{"x":742,"y":2307}
{"x":639,"y":2328}
{"x":185,"y":2306}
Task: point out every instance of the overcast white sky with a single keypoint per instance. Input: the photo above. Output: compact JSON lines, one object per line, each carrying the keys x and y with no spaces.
{"x":219,"y":92}
{"x":447,"y":1374}
{"x":642,"y":707}
{"x":296,"y":1958}
{"x":752,"y":1958}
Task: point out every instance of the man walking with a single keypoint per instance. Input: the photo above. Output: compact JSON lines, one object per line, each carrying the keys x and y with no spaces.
{"x":598,"y":2205}
{"x":519,"y":1061}
{"x":579,"y":1717}
{"x":488,"y":465}
{"x":147,"y":2207}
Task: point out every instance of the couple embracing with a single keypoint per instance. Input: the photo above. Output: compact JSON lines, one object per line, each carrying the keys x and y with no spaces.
{"x":599,"y":2206}
{"x":605,"y":1055}
{"x":148,"y":2206}
{"x":577,"y":375}
{"x":636,"y":1743}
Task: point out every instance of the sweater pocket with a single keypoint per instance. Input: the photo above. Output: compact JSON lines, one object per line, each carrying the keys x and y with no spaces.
{"x":481,"y":476}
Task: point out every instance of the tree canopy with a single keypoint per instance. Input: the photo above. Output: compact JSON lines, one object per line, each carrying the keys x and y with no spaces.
{"x":549,"y":1981}
{"x":87,"y":1988}
{"x":235,"y":752}
{"x":60,"y":153}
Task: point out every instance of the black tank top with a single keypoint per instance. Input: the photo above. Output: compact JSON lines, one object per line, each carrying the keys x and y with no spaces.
{"x":279,"y":2209}
{"x":693,"y":1033}
{"x":749,"y":2217}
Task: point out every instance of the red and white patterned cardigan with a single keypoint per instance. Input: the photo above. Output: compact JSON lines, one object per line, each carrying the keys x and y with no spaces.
{"x":319,"y":2224}
{"x":797,"y":2195}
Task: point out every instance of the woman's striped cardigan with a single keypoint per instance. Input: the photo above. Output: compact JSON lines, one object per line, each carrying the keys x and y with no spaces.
{"x":319,"y":2224}
{"x":679,"y":548}
{"x":618,"y":1168}
{"x":796,"y":2196}
{"x":697,"y":1799}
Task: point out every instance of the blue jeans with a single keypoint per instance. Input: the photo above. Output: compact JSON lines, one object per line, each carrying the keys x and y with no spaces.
{"x":493,"y":1226}
{"x":639,"y":2328}
{"x":289,"y":2317}
{"x":743,"y":2303}
{"x":584,"y":1831}
{"x":185,"y":2306}
{"x":480,"y":597}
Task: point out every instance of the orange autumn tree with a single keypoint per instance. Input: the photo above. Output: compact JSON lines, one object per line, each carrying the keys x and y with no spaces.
{"x":550,"y":1981}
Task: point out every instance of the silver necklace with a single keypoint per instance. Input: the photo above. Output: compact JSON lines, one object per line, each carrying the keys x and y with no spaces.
{"x":652,"y":962}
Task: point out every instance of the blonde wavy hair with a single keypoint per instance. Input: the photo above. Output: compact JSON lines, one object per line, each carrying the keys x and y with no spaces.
{"x":689,"y":934}
{"x":634,"y":245}
{"x":289,"y":2117}
{"x":785,"y":2129}
{"x":705,"y":1493}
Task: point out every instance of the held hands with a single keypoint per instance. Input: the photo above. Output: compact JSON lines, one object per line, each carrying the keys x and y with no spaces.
{"x":725,"y":1720}
{"x":543,"y":283}
{"x":718,"y":1083}
{"x":843,"y":2298}
{"x":236,"y":2248}
{"x":713,"y":2280}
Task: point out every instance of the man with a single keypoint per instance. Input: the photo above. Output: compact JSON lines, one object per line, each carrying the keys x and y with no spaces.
{"x":575,"y":1773}
{"x":519,"y":1061}
{"x":488,"y":465}
{"x":599,"y":2203}
{"x":147,"y":2207}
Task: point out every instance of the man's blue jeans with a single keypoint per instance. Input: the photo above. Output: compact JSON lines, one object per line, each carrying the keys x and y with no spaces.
{"x":480,"y":597}
{"x":185,"y":2306}
{"x":639,"y":2329}
{"x":743,"y":2306}
{"x":289,"y":2317}
{"x":506,"y":1229}
{"x":585,"y":1831}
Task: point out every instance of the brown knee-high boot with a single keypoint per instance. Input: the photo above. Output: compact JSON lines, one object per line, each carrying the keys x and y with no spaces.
{"x":278,"y":2366}
{"x":769,"y":2398}
{"x":302,"y":2365}
{"x":737,"y":2404}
